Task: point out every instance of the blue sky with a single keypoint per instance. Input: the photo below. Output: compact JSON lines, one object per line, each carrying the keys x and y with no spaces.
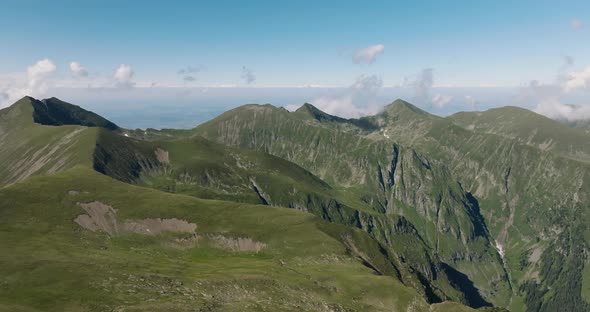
{"x":293,"y":43}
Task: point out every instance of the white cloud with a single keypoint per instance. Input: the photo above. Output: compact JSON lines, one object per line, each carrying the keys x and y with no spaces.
{"x":123,"y":76}
{"x":37,"y":75}
{"x":576,"y":24}
{"x":441,"y":100}
{"x":248,"y":75}
{"x":78,"y":70}
{"x":579,"y":80}
{"x":356,"y":101}
{"x":292,"y":107}
{"x":367,"y":55}
{"x":548,"y":98}
{"x":34,"y":83}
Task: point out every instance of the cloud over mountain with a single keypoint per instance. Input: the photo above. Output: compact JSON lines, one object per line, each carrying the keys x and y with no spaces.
{"x":548,"y":98}
{"x":37,"y":75}
{"x":367,"y":55}
{"x":123,"y":76}
{"x":36,"y":82}
{"x":357,"y":100}
{"x":78,"y":70}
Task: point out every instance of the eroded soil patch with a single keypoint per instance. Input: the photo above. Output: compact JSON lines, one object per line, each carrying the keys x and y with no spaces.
{"x":102,"y":217}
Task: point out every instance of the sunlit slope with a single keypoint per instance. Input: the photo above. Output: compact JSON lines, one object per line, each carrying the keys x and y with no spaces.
{"x":204,"y":169}
{"x":390,"y":178}
{"x":28,"y":148}
{"x":528,"y":128}
{"x":156,"y":251}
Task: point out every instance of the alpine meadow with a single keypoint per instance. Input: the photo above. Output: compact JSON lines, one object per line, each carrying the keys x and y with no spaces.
{"x":452,"y":174}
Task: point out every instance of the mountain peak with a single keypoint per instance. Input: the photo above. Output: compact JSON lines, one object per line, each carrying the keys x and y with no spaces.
{"x":306,"y":107}
{"x":25,"y":100}
{"x":55,"y":112}
{"x":318,"y":114}
{"x":401,"y":106}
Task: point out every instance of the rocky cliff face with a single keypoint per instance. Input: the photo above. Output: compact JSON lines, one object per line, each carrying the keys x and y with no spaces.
{"x":529,"y":176}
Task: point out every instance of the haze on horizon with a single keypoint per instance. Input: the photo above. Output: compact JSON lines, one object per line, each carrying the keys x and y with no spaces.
{"x":175,"y":65}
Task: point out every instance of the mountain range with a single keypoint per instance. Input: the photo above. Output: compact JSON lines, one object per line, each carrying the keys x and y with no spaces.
{"x":263,"y":209}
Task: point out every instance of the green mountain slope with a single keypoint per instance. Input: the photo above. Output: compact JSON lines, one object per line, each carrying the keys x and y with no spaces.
{"x":30,"y":149}
{"x":204,"y":169}
{"x":583,"y":124}
{"x":143,"y":162}
{"x":528,"y":128}
{"x":481,"y":208}
{"x":69,"y":136}
{"x":390,"y":178}
{"x":533,"y":199}
{"x":138,"y":249}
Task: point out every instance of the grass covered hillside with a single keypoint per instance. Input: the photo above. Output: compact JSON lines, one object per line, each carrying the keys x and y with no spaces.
{"x":528,"y":128}
{"x":394,"y":180}
{"x":29,"y":148}
{"x":212,"y":255}
{"x":530,"y":199}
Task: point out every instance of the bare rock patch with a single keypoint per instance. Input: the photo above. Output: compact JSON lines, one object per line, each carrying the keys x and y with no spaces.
{"x":98,"y":217}
{"x":157,"y":226}
{"x":102,"y":217}
{"x":236,"y":244}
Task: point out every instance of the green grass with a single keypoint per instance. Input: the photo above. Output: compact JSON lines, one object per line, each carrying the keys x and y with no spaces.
{"x":586,"y":283}
{"x":528,"y":128}
{"x":30,"y":149}
{"x":49,"y":263}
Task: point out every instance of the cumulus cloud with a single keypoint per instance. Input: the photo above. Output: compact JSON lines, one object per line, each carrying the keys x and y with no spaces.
{"x":37,"y":75}
{"x":367,"y":55}
{"x":548,"y":98}
{"x":123,"y":76}
{"x":36,"y":82}
{"x":577,"y":80}
{"x":357,"y":100}
{"x":78,"y":70}
{"x":576,"y":24}
{"x":248,"y":75}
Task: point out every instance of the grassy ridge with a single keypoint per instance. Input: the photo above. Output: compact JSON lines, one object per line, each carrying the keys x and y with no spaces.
{"x":30,"y":149}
